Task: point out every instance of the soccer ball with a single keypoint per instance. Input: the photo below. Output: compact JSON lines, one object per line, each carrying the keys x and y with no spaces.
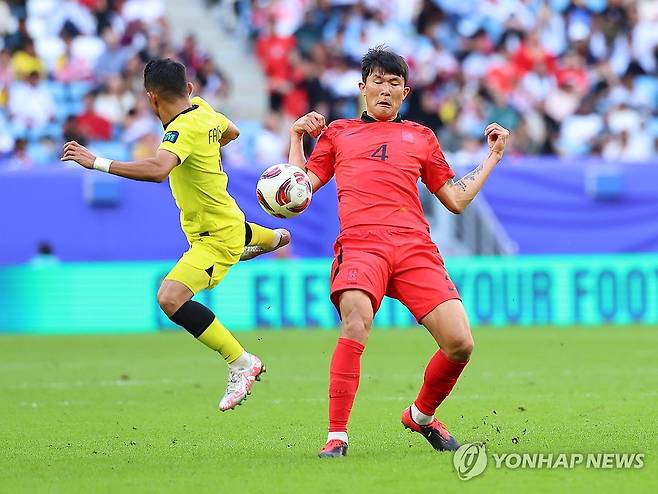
{"x":284,"y":190}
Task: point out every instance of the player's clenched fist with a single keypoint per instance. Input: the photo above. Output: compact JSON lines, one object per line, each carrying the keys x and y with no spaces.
{"x":312,"y":123}
{"x":78,"y":153}
{"x":497,"y":137}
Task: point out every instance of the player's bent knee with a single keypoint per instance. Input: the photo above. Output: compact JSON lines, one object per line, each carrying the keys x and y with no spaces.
{"x":357,"y":327}
{"x":357,"y":318}
{"x":168,"y":303}
{"x":460,"y":349}
{"x":172,"y":295}
{"x":357,"y":323}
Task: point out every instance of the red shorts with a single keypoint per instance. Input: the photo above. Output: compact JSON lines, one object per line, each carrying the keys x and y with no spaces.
{"x":403,"y":264}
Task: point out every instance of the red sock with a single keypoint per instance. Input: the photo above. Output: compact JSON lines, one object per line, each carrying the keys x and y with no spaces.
{"x":441,"y":375}
{"x":344,"y":374}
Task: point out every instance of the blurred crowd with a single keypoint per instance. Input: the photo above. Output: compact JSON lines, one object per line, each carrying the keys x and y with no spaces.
{"x":570,"y":78}
{"x":72,"y":69}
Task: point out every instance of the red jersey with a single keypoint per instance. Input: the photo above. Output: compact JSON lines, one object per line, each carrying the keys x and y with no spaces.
{"x":273,"y":52}
{"x":377,"y":167}
{"x":93,"y":126}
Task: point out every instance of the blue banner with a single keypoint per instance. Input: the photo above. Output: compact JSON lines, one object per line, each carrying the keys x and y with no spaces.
{"x":497,"y":291}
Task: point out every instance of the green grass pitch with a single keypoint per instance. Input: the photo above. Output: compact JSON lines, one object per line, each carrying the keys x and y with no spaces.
{"x":138,"y":413}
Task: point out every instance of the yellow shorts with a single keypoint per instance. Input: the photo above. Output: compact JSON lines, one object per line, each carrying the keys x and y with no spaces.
{"x":206,"y":262}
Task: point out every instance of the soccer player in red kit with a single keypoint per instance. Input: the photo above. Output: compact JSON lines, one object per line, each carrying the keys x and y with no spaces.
{"x":384,"y":246}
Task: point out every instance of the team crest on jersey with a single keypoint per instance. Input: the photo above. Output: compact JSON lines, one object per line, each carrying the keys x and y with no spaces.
{"x":407,"y":137}
{"x":170,"y":136}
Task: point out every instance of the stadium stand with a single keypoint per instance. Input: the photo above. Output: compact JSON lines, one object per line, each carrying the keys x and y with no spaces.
{"x":570,"y":78}
{"x":73,"y":70}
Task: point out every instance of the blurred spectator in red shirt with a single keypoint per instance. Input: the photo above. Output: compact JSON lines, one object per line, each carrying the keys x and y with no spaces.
{"x":572,"y":71}
{"x":273,"y":50}
{"x":531,"y":53}
{"x":90,"y":124}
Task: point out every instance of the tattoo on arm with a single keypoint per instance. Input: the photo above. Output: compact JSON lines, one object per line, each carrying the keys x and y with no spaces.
{"x":459,"y":184}
{"x":469,"y":176}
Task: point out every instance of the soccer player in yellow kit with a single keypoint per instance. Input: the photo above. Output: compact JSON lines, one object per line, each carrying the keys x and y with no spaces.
{"x":213,"y":223}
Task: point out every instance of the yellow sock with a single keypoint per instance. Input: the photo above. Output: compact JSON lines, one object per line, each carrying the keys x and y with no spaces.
{"x":217,"y":337}
{"x":261,"y":236}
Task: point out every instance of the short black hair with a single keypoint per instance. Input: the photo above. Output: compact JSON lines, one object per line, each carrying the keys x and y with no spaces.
{"x":382,"y":59}
{"x":165,"y":77}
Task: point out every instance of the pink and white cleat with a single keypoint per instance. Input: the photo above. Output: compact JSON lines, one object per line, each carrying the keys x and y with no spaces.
{"x":240,"y":382}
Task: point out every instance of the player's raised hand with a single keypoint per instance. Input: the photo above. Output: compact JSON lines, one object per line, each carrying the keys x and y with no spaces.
{"x":78,"y":153}
{"x":312,"y":123}
{"x":497,"y":137}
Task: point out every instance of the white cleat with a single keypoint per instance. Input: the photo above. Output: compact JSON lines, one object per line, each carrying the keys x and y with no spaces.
{"x":239,"y":384}
{"x":251,"y":251}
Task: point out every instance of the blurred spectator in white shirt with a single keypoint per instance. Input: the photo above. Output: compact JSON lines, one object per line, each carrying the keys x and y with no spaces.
{"x":115,"y":56}
{"x":645,"y":36}
{"x":8,"y":23}
{"x":579,"y":131}
{"x":623,"y":118}
{"x":139,"y":122}
{"x":627,"y":146}
{"x":114,"y":101}
{"x":72,"y":14}
{"x":6,"y":137}
{"x":270,"y":146}
{"x":147,"y":11}
{"x":212,"y":83}
{"x":31,"y":105}
{"x":19,"y":158}
{"x":561,"y":102}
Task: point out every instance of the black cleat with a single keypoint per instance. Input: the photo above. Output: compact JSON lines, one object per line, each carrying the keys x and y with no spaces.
{"x":435,"y":432}
{"x":334,"y":449}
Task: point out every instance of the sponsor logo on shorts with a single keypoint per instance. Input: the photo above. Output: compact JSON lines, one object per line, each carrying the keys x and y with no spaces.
{"x":352,"y":275}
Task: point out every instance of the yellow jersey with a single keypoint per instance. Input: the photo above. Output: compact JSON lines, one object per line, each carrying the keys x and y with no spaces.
{"x":199,"y":182}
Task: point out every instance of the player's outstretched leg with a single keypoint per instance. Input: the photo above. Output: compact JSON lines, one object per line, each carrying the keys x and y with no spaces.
{"x":345,"y":370}
{"x":200,"y":322}
{"x":449,"y":326}
{"x":261,"y":240}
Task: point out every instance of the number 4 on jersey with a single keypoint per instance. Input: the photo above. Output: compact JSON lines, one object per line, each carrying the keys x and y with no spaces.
{"x":380,"y":153}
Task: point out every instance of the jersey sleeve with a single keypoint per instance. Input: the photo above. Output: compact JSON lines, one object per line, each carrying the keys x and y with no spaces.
{"x":323,"y":158}
{"x":178,"y":140}
{"x":435,"y":171}
{"x":222,"y":121}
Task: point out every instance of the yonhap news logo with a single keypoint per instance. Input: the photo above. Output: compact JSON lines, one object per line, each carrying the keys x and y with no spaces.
{"x":471,"y":459}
